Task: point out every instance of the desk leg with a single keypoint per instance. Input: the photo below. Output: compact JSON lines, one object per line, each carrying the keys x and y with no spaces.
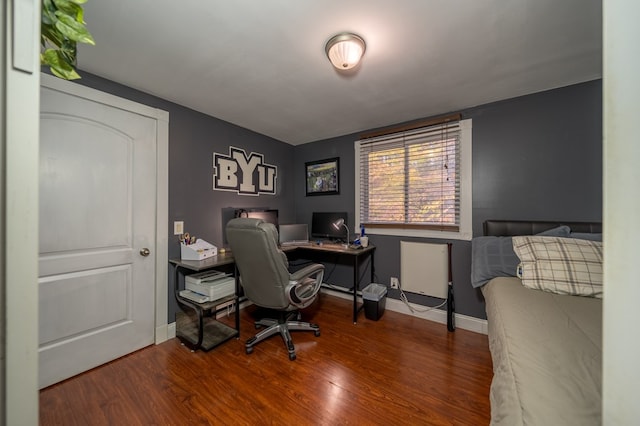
{"x":356,"y":285}
{"x":236,"y":275}
{"x":372,"y":267}
{"x":198,"y":311}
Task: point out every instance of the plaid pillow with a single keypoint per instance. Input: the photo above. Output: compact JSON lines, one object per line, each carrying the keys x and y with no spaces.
{"x":560,"y":265}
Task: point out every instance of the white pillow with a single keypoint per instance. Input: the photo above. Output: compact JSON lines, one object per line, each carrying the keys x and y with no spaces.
{"x":560,"y":265}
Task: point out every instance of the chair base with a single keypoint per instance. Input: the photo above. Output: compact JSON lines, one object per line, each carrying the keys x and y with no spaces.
{"x":282,"y":326}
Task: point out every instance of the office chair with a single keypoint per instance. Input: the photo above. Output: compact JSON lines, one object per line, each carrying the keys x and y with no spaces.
{"x":266,"y":280}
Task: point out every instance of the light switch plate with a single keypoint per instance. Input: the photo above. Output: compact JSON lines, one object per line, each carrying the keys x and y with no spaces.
{"x":178,"y":227}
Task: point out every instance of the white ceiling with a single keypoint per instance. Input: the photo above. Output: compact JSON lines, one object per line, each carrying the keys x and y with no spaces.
{"x":261,"y":64}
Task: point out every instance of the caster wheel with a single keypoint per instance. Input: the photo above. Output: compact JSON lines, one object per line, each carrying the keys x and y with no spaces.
{"x":292,"y":357}
{"x":317,"y":333}
{"x":257,"y":326}
{"x":249,"y":350}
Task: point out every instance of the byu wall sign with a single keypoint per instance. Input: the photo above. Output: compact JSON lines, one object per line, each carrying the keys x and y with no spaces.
{"x":246,"y":175}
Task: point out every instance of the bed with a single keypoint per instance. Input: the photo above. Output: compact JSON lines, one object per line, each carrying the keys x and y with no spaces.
{"x":546,"y":347}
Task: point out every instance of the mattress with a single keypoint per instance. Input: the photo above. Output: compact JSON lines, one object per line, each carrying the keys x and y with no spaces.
{"x":547,"y":356}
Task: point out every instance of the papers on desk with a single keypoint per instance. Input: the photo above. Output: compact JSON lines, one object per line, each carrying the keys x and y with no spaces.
{"x":193,"y":296}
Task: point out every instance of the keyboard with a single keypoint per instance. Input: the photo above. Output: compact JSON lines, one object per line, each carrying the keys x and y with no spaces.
{"x":295,"y":243}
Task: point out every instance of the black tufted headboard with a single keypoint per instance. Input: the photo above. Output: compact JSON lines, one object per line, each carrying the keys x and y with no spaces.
{"x":530,"y":227}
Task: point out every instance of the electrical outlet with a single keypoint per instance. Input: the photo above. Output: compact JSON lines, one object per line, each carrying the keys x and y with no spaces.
{"x":394,"y":282}
{"x":178,"y":227}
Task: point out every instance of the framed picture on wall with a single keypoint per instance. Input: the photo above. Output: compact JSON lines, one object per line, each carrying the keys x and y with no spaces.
{"x":322,"y":176}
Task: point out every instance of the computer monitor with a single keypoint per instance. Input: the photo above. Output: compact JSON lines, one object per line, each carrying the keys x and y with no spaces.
{"x":294,"y":233}
{"x":270,"y":216}
{"x":322,"y":225}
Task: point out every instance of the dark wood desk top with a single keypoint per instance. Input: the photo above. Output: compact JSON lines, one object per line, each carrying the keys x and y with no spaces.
{"x":226,"y":258}
{"x":220,"y":259}
{"x":336,"y":248}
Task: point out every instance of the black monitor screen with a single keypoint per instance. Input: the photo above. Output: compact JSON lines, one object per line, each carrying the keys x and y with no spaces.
{"x":322,"y":225}
{"x":270,"y":216}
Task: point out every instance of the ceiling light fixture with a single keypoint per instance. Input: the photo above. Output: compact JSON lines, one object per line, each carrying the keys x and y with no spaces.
{"x":345,"y":50}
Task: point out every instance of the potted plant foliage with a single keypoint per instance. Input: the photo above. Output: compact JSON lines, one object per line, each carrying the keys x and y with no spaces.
{"x":62,"y":28}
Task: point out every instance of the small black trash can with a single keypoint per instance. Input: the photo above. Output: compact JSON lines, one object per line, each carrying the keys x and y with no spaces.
{"x":375,"y":298}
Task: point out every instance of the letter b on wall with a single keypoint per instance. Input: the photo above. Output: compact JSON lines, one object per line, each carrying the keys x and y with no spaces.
{"x":242,"y":173}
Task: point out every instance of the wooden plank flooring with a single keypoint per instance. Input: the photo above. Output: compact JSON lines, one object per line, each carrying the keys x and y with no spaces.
{"x":398,"y":370}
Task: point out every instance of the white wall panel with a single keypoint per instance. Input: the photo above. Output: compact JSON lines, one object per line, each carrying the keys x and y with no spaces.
{"x":423,"y":268}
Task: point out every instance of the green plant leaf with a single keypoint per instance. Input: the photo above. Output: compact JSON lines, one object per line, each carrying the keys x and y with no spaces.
{"x":73,"y":29}
{"x":69,"y":51}
{"x":71,"y":9}
{"x":50,"y":35}
{"x":58,"y":65}
{"x":62,"y":26}
{"x":48,"y":12}
{"x":47,"y":5}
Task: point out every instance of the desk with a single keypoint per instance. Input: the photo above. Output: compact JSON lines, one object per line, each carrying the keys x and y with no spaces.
{"x":356,"y":256}
{"x":202,"y":309}
{"x":213,"y":334}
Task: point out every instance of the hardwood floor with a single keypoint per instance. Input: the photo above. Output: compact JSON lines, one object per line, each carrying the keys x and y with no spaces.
{"x":398,"y":370}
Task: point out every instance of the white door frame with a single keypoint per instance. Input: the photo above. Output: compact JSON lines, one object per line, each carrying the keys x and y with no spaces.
{"x":162,"y":186}
{"x":19,"y":136}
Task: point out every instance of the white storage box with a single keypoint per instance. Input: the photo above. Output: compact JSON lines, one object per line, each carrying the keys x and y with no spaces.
{"x":199,"y":250}
{"x":213,"y":284}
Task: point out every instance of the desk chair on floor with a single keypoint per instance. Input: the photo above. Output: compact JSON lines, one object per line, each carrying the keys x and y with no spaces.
{"x":266,"y":280}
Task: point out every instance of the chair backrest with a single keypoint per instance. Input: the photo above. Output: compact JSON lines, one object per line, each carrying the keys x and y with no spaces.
{"x":262,"y":265}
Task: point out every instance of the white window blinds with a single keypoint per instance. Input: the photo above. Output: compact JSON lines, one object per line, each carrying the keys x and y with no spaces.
{"x":411,"y":179}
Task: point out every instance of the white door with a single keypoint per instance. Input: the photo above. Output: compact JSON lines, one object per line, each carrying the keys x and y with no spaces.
{"x":97,"y":221}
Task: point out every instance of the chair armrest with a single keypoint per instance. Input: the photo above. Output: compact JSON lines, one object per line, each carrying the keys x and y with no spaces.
{"x":304,"y":285}
{"x":307,"y":271}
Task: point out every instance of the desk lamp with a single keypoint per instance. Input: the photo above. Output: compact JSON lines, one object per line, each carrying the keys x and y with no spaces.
{"x":337,"y":224}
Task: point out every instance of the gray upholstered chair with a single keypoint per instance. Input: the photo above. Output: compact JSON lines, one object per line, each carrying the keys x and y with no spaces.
{"x":267,"y":282}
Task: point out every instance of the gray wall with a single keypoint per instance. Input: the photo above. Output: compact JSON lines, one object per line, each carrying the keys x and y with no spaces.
{"x":536,"y":157}
{"x":193,"y":138}
{"x":539,"y":156}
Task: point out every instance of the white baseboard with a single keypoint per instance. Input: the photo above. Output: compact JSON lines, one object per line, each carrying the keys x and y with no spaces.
{"x":464,"y":322}
{"x":171,"y":330}
{"x":161,"y":334}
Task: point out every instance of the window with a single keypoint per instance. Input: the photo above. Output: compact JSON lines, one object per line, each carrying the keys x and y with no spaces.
{"x":416,"y":182}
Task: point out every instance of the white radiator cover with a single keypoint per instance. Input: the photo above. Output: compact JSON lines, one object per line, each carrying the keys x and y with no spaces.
{"x":424,"y":268}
